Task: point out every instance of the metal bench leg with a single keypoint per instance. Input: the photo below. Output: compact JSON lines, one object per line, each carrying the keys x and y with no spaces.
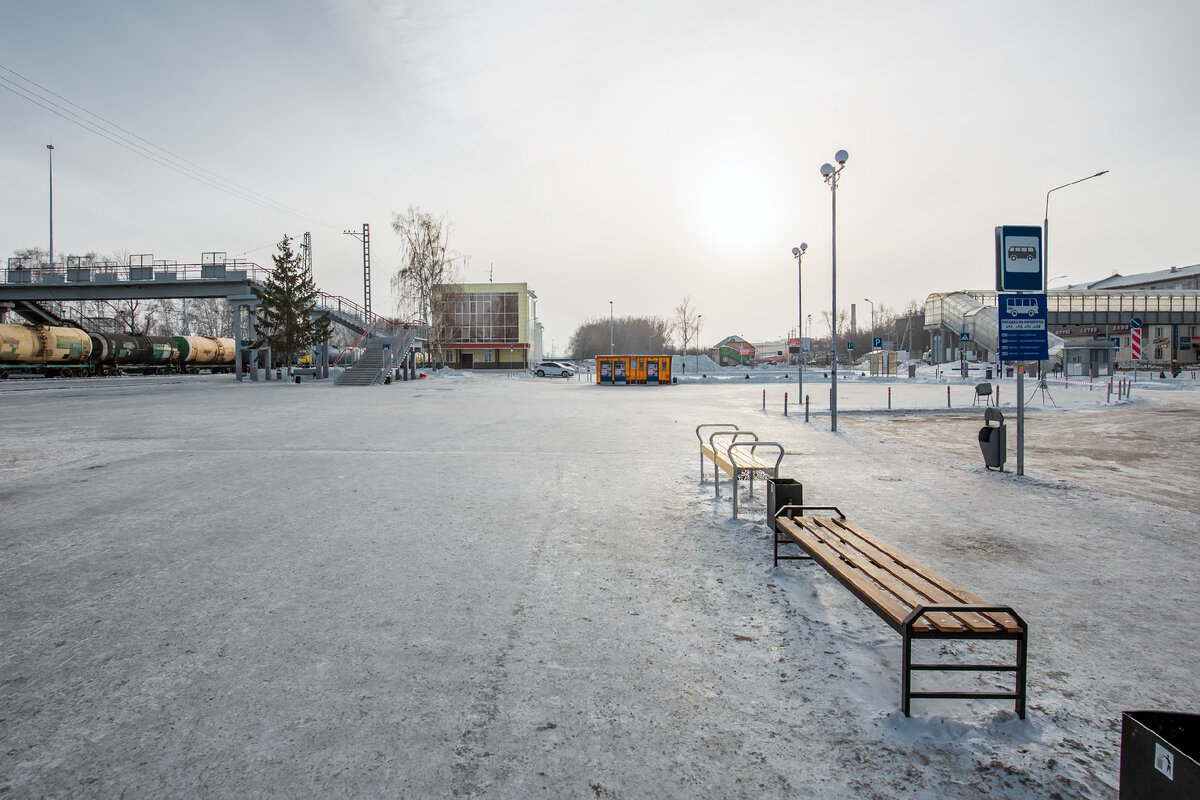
{"x":906,"y":674}
{"x":735,"y":494}
{"x":1019,"y":703}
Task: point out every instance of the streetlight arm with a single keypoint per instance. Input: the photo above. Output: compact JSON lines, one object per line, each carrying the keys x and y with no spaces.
{"x":1065,"y":185}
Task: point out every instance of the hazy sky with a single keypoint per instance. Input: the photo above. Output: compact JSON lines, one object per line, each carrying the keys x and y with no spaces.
{"x":635,"y":152}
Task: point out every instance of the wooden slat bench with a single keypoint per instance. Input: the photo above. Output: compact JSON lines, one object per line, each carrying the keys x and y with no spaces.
{"x":735,"y":458}
{"x":916,"y":601}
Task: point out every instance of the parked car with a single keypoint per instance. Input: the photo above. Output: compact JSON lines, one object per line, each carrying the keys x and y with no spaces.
{"x":553,"y":368}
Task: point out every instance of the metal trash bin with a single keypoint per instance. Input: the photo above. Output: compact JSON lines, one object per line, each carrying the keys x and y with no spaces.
{"x":1160,"y":755}
{"x":782,"y":492}
{"x":993,"y":439}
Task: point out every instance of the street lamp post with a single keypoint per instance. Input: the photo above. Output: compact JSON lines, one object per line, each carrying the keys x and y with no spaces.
{"x":1045,"y":285}
{"x":1046,"y":219}
{"x":798,"y":252}
{"x":611,"y":346}
{"x":872,"y":323}
{"x":831,"y":174}
{"x":50,"y":152}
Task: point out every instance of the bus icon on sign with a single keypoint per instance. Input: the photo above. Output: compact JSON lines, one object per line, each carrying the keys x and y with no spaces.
{"x":1022,"y":306}
{"x":1021,"y":251}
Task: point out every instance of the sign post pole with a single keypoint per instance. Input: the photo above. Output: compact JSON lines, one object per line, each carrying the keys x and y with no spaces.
{"x":1020,"y":419}
{"x":1021,"y":317}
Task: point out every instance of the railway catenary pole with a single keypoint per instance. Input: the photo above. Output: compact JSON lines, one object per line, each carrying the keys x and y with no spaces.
{"x":50,"y":152}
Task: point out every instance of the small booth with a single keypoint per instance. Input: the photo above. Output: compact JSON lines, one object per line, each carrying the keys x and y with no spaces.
{"x":632,"y":370}
{"x":884,"y":362}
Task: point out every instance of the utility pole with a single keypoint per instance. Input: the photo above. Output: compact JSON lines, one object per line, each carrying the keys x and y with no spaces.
{"x":50,"y":148}
{"x":365,"y":238}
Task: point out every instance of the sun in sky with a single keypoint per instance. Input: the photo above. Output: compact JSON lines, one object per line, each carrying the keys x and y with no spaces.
{"x":734,"y":206}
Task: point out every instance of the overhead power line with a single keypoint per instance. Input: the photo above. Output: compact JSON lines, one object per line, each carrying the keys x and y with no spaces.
{"x":40,"y":96}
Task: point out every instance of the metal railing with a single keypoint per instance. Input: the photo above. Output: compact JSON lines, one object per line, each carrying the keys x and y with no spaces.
{"x":79,"y":271}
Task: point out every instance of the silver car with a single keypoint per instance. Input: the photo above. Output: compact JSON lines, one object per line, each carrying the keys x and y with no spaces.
{"x":553,"y":368}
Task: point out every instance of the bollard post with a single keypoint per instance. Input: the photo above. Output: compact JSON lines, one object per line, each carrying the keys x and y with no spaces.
{"x":785,"y":403}
{"x":997,"y":395}
{"x":947,"y":397}
{"x":1108,"y":399}
{"x":764,"y":399}
{"x":806,"y":408}
{"x":889,"y":398}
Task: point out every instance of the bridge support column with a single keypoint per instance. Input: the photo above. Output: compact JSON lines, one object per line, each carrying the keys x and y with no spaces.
{"x":247,"y":303}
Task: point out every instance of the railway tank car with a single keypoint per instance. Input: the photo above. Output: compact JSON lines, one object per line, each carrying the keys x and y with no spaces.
{"x":54,"y":350}
{"x":112,"y":353}
{"x":204,"y":352}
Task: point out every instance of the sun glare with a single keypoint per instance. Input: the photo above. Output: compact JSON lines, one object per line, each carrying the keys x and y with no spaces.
{"x":733,"y":207}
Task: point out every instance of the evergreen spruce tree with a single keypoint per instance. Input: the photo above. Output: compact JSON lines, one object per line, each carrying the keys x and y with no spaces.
{"x":289,"y":299}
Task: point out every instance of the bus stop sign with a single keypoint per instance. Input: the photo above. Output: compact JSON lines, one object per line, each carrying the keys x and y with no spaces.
{"x":1019,"y":265}
{"x":1022,"y":322}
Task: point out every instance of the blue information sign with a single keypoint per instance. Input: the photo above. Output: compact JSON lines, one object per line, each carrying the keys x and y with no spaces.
{"x":1019,"y":258}
{"x":1136,"y":322}
{"x":877,"y":343}
{"x":1022,"y":320}
{"x":849,"y":345}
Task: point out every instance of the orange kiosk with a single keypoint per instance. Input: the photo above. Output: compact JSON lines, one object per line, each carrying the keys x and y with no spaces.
{"x":633,"y":370}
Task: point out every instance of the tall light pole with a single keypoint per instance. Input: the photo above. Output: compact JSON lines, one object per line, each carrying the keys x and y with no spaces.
{"x":831,"y":174}
{"x":872,"y":323}
{"x":611,"y":346}
{"x":798,"y":252}
{"x":50,"y":152}
{"x":1046,"y":220}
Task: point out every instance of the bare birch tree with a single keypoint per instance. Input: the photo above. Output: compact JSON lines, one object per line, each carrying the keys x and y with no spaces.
{"x":426,"y":262}
{"x":686,"y":322}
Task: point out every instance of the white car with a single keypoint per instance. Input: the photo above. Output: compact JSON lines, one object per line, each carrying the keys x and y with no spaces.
{"x":553,"y":368}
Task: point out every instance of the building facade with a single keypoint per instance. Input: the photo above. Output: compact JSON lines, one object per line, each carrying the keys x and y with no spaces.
{"x":486,"y":325}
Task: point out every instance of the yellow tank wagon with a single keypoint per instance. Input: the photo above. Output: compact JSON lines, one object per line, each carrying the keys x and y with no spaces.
{"x":46,"y":346}
{"x":197,"y":352}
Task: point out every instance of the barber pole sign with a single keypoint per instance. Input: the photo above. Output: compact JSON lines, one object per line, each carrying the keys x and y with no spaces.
{"x":1135,"y":343}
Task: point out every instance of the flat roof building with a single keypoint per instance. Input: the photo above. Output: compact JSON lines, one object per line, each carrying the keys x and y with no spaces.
{"x":486,"y":325}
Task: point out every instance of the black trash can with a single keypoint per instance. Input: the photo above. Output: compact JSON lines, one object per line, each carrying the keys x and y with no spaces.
{"x":782,"y":492}
{"x":993,"y":439}
{"x":1160,"y":755}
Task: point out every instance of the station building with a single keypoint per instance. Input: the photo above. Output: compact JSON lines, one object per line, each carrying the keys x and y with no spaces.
{"x":1091,"y":318}
{"x":486,"y":325}
{"x":1167,"y":299}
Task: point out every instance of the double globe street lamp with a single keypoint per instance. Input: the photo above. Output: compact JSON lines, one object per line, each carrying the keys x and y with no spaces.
{"x":831,"y":174}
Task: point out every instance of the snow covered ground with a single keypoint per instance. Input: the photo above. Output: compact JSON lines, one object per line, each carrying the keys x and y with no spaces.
{"x":479,"y":585}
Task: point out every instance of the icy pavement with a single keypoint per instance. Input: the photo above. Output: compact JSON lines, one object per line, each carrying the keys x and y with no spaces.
{"x":484,"y":586}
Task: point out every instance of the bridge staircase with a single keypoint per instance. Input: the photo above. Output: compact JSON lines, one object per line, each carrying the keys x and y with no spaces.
{"x":382,"y":354}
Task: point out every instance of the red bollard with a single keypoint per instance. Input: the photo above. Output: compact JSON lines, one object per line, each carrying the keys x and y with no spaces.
{"x":806,"y":408}
{"x":785,"y":403}
{"x":947,"y":397}
{"x":889,"y":398}
{"x":764,"y":399}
